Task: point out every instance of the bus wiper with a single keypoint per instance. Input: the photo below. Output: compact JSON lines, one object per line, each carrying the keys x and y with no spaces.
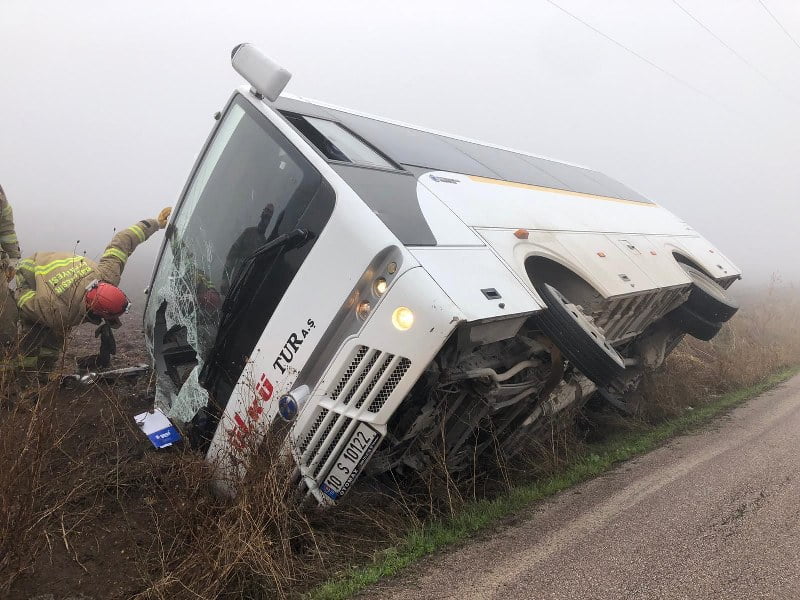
{"x":231,"y":307}
{"x":297,"y":236}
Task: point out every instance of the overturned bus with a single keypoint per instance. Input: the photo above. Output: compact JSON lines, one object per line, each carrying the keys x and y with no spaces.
{"x":400,"y":295}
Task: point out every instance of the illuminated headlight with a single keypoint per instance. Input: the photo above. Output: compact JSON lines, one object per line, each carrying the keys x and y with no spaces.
{"x":402,"y":318}
{"x":379,"y":287}
{"x":362,"y":310}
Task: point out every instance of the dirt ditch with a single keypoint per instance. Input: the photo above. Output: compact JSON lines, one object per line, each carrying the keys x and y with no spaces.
{"x":88,"y":508}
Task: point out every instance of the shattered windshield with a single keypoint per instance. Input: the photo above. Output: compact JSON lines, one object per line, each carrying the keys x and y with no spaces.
{"x":250,"y":187}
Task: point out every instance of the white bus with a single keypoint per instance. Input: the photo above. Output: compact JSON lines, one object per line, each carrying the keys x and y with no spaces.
{"x":401,"y":295}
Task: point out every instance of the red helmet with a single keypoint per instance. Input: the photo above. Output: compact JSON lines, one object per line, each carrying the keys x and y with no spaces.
{"x":106,"y":300}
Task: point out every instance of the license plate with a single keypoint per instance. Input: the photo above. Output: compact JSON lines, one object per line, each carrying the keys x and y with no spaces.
{"x":350,"y":461}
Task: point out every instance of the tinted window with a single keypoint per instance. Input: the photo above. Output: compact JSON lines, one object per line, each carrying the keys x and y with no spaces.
{"x":336,"y":143}
{"x":573,"y":177}
{"x":436,"y":152}
{"x":617,"y":190}
{"x":509,"y":165}
{"x":411,"y":147}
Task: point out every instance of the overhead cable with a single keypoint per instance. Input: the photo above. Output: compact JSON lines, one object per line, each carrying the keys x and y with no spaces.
{"x":644,"y":59}
{"x":733,"y":51}
{"x":778,"y":23}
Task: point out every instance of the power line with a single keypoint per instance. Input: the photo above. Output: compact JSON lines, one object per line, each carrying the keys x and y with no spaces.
{"x":662,"y":70}
{"x":720,"y":40}
{"x":778,"y":23}
{"x":733,"y":51}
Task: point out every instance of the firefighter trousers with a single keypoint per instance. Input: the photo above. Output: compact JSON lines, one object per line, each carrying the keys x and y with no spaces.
{"x":40,"y":346}
{"x":8,"y":317}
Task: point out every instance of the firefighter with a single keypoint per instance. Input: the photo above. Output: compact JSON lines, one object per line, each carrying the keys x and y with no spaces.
{"x":58,"y":290}
{"x":9,"y":257}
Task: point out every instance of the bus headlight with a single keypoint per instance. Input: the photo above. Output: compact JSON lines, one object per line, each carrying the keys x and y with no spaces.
{"x":402,"y":318}
{"x":379,"y":287}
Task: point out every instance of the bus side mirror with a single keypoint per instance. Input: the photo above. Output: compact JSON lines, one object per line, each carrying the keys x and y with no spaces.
{"x":266,"y":76}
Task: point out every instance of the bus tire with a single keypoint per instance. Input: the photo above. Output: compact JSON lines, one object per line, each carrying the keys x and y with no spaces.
{"x":696,"y":325}
{"x":578,"y":338}
{"x":708,"y":299}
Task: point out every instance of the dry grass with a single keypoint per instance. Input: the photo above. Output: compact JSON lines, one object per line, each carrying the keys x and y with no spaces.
{"x":86,"y":506}
{"x":761,"y":339}
{"x":26,"y":447}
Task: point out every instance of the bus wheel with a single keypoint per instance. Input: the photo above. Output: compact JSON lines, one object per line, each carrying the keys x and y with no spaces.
{"x":694,"y":324}
{"x":578,"y":338}
{"x":707,"y":299}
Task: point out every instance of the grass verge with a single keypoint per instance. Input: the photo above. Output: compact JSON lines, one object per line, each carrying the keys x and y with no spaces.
{"x":483,"y":513}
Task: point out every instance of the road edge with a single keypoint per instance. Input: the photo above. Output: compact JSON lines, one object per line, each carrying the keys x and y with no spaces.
{"x":479,"y":515}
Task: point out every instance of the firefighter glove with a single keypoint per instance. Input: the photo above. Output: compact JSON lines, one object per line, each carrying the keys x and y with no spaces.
{"x":163,"y":217}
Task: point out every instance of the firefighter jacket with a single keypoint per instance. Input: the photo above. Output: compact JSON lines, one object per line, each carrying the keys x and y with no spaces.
{"x":51,"y":285}
{"x":8,"y":235}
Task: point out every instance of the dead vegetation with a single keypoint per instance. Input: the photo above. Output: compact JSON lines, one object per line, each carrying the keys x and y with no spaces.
{"x":761,"y":339}
{"x":88,"y":507}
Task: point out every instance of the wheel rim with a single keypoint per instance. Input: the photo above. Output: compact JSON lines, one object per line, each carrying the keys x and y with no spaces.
{"x":587,"y":325}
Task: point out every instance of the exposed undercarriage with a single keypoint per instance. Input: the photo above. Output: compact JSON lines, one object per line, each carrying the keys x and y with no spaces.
{"x":496,"y":385}
{"x":493,"y":397}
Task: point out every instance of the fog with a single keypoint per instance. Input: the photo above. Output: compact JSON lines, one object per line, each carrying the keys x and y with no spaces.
{"x":695,"y":105}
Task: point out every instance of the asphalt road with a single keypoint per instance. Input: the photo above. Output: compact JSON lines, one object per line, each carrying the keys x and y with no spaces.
{"x":715,"y":514}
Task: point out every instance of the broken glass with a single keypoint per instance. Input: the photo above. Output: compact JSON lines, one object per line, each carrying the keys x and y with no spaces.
{"x":250,"y":188}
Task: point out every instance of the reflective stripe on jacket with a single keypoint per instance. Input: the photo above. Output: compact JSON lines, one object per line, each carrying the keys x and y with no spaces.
{"x":51,"y":285}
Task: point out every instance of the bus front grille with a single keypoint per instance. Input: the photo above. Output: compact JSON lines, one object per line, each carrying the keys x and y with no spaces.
{"x":366,"y":381}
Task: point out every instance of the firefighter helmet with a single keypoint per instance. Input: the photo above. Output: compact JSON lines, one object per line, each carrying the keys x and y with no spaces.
{"x":106,"y":300}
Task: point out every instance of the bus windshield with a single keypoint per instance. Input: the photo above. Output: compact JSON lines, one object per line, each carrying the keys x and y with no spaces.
{"x":250,"y":187}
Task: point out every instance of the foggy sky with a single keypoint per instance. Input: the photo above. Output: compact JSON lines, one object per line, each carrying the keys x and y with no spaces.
{"x":105,"y":105}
